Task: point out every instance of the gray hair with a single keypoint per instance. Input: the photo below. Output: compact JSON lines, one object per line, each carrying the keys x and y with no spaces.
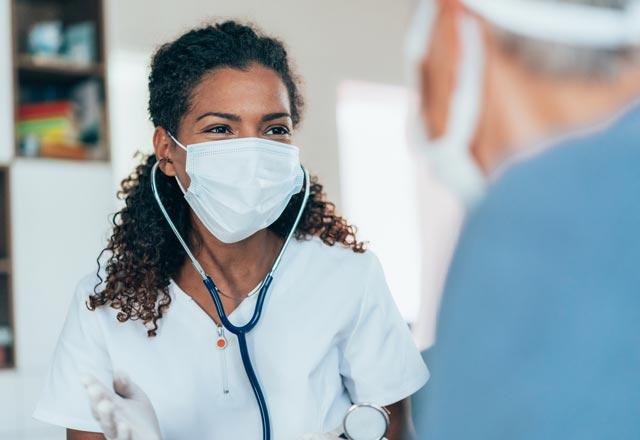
{"x":563,"y":60}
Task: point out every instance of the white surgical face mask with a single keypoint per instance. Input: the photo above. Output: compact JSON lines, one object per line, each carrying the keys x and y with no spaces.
{"x":449,"y":155}
{"x":240,"y":186}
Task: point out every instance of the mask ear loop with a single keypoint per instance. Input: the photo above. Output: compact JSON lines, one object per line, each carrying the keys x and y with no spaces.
{"x":305,"y":200}
{"x":185,"y":149}
{"x":176,"y":141}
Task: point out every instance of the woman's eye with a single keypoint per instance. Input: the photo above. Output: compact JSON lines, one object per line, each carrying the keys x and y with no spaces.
{"x":219,"y":129}
{"x":278,"y":130}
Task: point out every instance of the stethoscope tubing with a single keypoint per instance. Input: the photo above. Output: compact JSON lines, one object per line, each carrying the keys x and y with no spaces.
{"x":240,"y":331}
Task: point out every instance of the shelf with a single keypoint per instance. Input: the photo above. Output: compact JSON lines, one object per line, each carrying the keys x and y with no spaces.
{"x":89,"y":157}
{"x":47,"y":69}
{"x":54,"y":76}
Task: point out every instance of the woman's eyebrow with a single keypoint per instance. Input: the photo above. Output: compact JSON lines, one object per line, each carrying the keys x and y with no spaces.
{"x":229,"y":116}
{"x":272,"y":116}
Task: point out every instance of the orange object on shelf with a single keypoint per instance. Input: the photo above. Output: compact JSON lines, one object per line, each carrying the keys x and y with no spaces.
{"x":62,"y":151}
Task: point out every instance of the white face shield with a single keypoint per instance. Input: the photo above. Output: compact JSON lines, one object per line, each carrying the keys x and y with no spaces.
{"x":572,"y":24}
{"x":553,"y":21}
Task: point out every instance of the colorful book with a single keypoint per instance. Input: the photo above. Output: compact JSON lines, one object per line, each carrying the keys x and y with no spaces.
{"x":38,"y":126}
{"x":46,"y":110}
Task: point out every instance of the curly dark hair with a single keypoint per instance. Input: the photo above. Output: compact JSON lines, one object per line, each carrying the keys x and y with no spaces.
{"x":143,"y":251}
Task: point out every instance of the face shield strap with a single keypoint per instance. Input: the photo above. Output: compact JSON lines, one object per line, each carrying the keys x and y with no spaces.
{"x":565,"y":23}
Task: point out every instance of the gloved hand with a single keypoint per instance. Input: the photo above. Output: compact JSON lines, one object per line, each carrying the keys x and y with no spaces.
{"x":333,"y":435}
{"x":325,"y":436}
{"x":126,"y":412}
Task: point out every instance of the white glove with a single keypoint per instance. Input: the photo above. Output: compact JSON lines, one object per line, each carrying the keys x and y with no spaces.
{"x":320,"y":436}
{"x":127,"y":413}
{"x":333,"y":435}
{"x":325,"y":436}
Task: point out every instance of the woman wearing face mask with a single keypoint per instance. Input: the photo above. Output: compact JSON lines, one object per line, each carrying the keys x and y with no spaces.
{"x":225,"y":104}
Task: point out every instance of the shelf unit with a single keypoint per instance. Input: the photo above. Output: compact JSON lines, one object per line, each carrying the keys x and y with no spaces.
{"x":39,"y":78}
{"x":43,"y":82}
{"x":7,"y":352}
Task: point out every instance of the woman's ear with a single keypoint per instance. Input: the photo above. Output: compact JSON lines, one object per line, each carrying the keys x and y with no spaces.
{"x":163,"y":147}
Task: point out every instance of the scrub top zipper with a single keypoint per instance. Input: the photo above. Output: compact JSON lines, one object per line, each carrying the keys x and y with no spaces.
{"x":222,"y":345}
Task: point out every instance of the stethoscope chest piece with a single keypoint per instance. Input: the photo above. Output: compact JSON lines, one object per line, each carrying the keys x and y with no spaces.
{"x":365,"y":421}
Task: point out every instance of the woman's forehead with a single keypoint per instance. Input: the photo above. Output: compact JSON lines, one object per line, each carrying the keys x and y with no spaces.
{"x":255,"y":89}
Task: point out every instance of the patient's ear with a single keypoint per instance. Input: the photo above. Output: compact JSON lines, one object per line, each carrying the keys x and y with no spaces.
{"x":164,"y":148}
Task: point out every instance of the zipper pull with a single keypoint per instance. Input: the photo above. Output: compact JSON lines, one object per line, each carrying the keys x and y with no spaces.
{"x":221,"y":342}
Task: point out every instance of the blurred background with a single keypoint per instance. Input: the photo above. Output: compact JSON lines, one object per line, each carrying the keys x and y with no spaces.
{"x":73,"y":99}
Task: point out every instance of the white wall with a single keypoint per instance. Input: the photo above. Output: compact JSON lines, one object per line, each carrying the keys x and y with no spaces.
{"x":59,"y":218}
{"x":378,"y":186}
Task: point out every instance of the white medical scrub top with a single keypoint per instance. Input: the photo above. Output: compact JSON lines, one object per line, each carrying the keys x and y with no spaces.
{"x":330,"y":335}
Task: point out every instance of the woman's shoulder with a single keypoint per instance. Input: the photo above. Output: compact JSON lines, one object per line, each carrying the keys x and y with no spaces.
{"x":89,"y":284}
{"x":336,"y":256}
{"x":344,"y":277}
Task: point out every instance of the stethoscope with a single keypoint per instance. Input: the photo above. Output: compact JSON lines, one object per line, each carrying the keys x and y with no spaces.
{"x":365,"y":421}
{"x":239,"y":331}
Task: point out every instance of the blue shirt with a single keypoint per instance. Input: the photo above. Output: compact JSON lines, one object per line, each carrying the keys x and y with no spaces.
{"x":539,"y":330}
